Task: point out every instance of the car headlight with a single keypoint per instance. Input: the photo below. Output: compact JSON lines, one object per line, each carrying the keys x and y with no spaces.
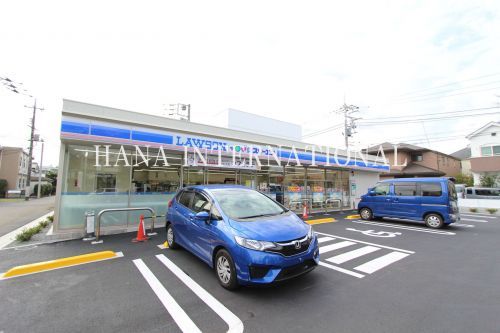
{"x":310,"y":233}
{"x":255,"y":244}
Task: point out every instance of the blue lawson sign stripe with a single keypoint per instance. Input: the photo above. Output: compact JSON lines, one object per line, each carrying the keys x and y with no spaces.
{"x":152,"y":137}
{"x":120,"y":133}
{"x":111,"y":132}
{"x":77,"y":128}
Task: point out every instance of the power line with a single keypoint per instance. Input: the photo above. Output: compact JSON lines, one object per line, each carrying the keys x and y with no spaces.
{"x":325,"y":130}
{"x":448,"y":84}
{"x":434,"y":113}
{"x":373,"y":123}
{"x":386,"y":120}
{"x":438,"y":97}
{"x":450,"y":90}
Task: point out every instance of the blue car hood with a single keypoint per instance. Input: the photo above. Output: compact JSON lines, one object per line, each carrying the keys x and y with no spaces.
{"x":277,"y":228}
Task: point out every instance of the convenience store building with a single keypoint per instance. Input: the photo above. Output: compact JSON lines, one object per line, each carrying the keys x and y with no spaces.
{"x":113,"y":158}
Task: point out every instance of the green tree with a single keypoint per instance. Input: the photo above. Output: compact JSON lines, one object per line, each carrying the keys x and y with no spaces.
{"x":3,"y":187}
{"x":488,"y":181}
{"x":464,"y":179}
{"x":52,"y":178}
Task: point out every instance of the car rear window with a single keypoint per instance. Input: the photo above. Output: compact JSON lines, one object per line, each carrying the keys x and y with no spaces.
{"x":431,"y":189}
{"x":491,"y":192}
{"x":405,"y":189}
{"x":452,"y":192}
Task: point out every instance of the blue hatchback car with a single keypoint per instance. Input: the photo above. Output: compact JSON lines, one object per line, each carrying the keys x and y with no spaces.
{"x":432,"y":200}
{"x":247,"y":237}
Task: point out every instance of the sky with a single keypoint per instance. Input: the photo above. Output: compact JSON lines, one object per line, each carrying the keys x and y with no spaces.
{"x":297,"y":61}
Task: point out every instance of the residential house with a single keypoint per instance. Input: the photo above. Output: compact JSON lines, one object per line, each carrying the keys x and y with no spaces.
{"x":464,"y":156}
{"x":415,"y":161}
{"x":14,"y":167}
{"x":485,"y":152}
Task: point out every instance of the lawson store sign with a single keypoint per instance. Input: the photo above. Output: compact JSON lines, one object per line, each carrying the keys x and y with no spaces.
{"x":202,"y":149}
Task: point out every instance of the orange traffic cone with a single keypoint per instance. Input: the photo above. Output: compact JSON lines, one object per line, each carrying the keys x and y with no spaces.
{"x":141,"y":234}
{"x":304,"y":212}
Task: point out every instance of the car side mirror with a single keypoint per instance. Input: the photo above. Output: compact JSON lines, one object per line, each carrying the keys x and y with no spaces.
{"x":371,"y":193}
{"x":202,"y":216}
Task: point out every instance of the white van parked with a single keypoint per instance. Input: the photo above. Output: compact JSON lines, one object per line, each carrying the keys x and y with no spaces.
{"x":482,"y":193}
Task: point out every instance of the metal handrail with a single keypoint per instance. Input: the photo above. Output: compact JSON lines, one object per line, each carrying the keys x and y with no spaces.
{"x":334,"y":199}
{"x":98,"y":219}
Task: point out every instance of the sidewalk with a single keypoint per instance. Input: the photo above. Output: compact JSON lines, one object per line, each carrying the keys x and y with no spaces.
{"x":15,"y":214}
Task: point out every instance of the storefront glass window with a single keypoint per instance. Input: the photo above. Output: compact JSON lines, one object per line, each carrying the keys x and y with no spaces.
{"x":336,"y":188}
{"x":193,"y":176}
{"x":294,"y":194}
{"x":88,"y":187}
{"x":155,"y":184}
{"x":270,"y":181}
{"x":246,"y":178}
{"x":316,"y":189}
{"x":221,"y":176}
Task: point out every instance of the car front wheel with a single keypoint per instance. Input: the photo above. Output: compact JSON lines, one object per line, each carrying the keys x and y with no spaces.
{"x":225,"y":270}
{"x":366,"y":213}
{"x":434,"y":221}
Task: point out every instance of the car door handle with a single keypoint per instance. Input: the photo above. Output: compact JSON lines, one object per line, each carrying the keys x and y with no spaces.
{"x":387,"y":199}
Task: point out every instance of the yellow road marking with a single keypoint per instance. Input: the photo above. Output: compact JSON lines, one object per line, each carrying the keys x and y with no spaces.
{"x":320,"y":221}
{"x":60,"y":263}
{"x":163,"y":246}
{"x":353,"y":217}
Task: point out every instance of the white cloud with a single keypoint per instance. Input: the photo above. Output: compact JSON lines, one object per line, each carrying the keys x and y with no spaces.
{"x":285,"y":59}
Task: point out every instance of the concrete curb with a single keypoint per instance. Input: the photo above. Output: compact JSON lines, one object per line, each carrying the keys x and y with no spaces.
{"x":11,"y":236}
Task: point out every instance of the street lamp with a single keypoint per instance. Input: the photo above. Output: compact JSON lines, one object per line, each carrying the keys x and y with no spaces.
{"x":40,"y":169}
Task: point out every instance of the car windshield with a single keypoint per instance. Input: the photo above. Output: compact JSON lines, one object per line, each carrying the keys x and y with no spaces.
{"x":241,"y":204}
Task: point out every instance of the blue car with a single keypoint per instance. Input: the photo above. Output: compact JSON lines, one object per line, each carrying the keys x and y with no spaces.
{"x":432,"y":200}
{"x":247,"y":237}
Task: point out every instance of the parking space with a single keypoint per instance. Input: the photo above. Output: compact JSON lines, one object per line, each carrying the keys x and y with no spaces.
{"x":376,"y":276}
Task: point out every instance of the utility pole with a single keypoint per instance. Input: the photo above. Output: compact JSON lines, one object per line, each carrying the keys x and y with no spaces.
{"x":349,"y":121}
{"x":30,"y":158}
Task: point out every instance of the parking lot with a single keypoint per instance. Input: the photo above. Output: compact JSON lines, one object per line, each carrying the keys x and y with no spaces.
{"x":374,"y":276}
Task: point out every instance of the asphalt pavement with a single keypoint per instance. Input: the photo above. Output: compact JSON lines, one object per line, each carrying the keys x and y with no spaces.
{"x":376,"y":276}
{"x":16,"y":213}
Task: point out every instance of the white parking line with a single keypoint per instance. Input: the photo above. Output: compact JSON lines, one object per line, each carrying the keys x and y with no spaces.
{"x":324,"y":239}
{"x":342,"y":270}
{"x":473,"y":220}
{"x":234,"y":323}
{"x":367,"y":243}
{"x":396,"y":226}
{"x":342,"y":258}
{"x":463,"y":225}
{"x":181,"y":318}
{"x":480,"y":216}
{"x":380,"y":262}
{"x":334,"y":246}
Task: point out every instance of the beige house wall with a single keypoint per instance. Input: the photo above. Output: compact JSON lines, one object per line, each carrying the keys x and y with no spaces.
{"x":10,"y":169}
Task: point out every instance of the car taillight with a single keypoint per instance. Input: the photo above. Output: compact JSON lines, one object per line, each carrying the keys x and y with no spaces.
{"x":170,"y":203}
